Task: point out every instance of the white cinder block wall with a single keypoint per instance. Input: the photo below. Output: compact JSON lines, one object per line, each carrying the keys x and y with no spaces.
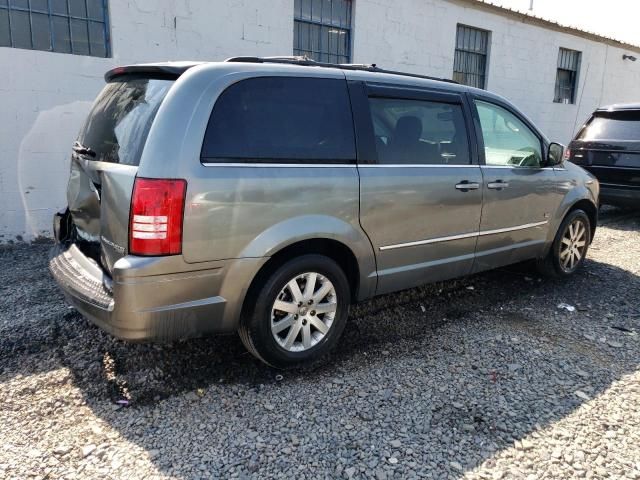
{"x":45,"y":96}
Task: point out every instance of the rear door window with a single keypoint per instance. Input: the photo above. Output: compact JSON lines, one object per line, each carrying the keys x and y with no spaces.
{"x":119,"y":122}
{"x":419,"y":132}
{"x":613,"y":126}
{"x":281,"y":119}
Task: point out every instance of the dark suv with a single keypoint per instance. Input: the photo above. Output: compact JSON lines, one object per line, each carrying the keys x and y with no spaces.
{"x":608,"y":146}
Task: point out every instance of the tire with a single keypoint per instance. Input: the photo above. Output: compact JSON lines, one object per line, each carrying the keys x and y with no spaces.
{"x":558,"y":263}
{"x":292,"y":333}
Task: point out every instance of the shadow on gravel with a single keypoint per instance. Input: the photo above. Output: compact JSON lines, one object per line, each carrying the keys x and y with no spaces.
{"x":477,"y":363}
{"x":622,"y":219}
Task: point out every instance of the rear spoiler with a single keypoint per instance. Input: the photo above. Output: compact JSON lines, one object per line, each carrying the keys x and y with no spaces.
{"x":171,"y":70}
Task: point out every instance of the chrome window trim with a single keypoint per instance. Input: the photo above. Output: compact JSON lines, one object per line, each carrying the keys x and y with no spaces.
{"x":331,"y":165}
{"x":411,"y":165}
{"x":366,"y":165}
{"x":281,"y":165}
{"x":464,"y":235}
{"x":511,"y":167}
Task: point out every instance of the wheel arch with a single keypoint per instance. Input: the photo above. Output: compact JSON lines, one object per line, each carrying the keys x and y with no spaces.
{"x":590,"y":209}
{"x":329,"y":247}
{"x":330,"y":235}
{"x":576,"y":199}
{"x":334,"y":237}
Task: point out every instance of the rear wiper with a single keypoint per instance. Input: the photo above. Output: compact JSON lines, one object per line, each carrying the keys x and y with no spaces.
{"x":82,"y":150}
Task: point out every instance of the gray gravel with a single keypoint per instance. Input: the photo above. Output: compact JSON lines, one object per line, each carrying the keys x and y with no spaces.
{"x":483,"y":377}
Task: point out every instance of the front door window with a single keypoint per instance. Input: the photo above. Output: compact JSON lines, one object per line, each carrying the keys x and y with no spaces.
{"x":507,"y":140}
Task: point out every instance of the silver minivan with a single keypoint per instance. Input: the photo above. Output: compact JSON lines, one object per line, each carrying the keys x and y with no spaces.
{"x":266,"y":195}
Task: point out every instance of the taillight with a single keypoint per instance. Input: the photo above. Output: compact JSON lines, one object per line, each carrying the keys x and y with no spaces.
{"x":157,"y":207}
{"x":567,"y":154}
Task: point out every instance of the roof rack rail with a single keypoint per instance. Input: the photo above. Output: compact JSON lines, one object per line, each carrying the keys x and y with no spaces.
{"x":309,"y":62}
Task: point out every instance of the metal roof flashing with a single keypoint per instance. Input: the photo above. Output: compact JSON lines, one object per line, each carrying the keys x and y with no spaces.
{"x":546,"y":22}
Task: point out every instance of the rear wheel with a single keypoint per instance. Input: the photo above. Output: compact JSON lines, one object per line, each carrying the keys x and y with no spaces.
{"x":298,"y":314}
{"x":570,"y":246}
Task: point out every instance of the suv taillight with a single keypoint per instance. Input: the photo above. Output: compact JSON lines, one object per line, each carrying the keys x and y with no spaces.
{"x":567,"y":154}
{"x":155,"y":226}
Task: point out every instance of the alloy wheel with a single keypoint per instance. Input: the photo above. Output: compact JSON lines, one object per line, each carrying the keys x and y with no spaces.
{"x":303,"y":311}
{"x":573,"y":245}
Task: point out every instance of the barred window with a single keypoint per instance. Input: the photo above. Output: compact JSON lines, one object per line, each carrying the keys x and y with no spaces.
{"x":322,"y":30}
{"x":79,"y":27}
{"x":567,"y":76}
{"x":470,"y":60}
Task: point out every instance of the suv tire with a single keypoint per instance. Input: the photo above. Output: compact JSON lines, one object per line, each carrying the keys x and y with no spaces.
{"x":298,"y":314}
{"x":569,"y":247}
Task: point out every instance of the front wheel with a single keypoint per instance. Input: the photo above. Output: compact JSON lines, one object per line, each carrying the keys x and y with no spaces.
{"x":298,"y":314}
{"x":570,"y":246}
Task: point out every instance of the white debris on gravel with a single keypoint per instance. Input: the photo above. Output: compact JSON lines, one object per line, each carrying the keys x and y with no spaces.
{"x":567,"y":307}
{"x":435,"y":382}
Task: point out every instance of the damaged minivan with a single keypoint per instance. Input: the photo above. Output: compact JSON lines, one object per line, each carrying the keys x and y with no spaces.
{"x":266,"y":195}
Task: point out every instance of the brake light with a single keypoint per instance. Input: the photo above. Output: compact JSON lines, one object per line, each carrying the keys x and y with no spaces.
{"x":157,"y":207}
{"x":567,"y":154}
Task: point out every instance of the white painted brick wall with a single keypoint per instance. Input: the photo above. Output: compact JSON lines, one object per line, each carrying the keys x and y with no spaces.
{"x":45,"y":96}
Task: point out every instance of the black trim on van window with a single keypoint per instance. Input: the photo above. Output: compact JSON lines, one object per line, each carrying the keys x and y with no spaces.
{"x":365,"y":139}
{"x":477,"y":129}
{"x":412,"y":93}
{"x":276,"y":161}
{"x":471,"y":130}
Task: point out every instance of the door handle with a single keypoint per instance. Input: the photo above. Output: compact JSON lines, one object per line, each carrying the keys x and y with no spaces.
{"x":497,"y":185}
{"x":466,"y":185}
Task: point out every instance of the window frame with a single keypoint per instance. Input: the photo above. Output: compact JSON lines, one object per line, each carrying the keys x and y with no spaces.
{"x":298,"y":19}
{"x":69,"y":17}
{"x":365,"y":137}
{"x":266,"y":161}
{"x":573,"y":74}
{"x":486,"y":54}
{"x":544,"y":144}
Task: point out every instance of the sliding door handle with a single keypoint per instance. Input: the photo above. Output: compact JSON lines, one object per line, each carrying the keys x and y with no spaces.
{"x":497,"y":185}
{"x":466,"y":185}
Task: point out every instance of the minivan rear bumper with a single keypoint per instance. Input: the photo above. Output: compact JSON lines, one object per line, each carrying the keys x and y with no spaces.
{"x":141,"y":302}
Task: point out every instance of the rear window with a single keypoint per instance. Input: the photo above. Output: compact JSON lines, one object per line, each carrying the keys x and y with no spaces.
{"x":120,"y":119}
{"x":613,"y":126}
{"x":290,"y":120}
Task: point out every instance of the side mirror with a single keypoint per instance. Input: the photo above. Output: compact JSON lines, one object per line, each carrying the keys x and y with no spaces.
{"x":554,"y":154}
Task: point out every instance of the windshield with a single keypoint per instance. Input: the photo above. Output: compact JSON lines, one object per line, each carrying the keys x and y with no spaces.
{"x":120,"y":119}
{"x":613,"y":126}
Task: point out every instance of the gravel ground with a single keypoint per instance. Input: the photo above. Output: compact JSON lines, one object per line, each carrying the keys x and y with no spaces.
{"x":483,"y":377}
